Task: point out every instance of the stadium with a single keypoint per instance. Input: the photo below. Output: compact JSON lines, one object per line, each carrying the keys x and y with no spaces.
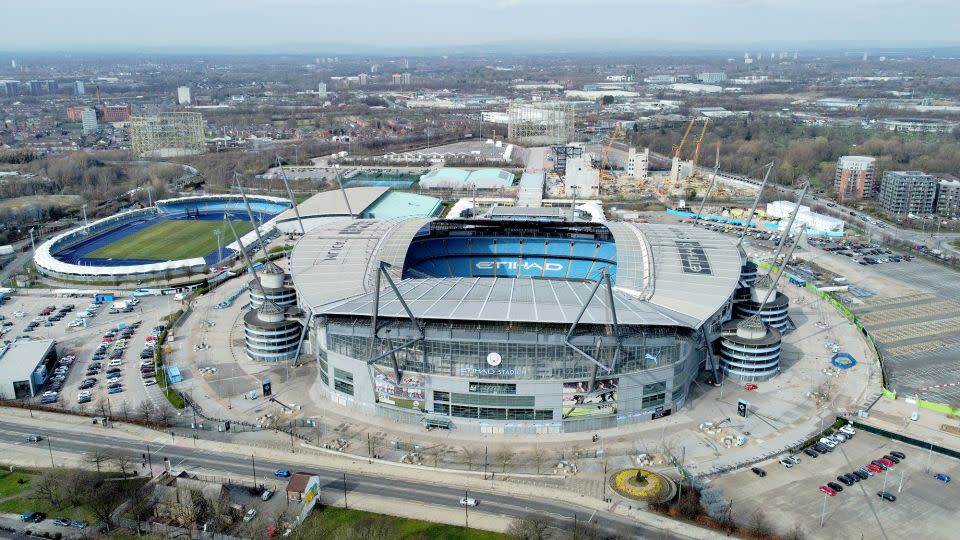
{"x":173,"y":238}
{"x":506,"y":326}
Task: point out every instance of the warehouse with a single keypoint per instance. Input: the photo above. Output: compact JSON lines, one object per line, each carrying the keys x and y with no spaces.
{"x":25,"y":366}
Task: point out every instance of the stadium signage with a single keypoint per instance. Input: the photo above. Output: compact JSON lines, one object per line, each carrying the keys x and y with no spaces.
{"x":514,"y":265}
{"x":692,"y":257}
{"x":491,"y":372}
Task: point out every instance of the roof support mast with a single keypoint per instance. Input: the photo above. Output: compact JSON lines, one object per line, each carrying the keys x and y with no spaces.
{"x":756,"y":201}
{"x":293,"y":201}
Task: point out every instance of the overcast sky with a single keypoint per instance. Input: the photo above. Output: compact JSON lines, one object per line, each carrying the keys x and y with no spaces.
{"x":128,"y":24}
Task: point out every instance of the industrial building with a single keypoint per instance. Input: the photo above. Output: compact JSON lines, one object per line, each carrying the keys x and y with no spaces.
{"x":813,"y":222}
{"x":25,"y":366}
{"x":167,"y":134}
{"x":855,"y":178}
{"x":499,"y":325}
{"x":540,"y":124}
{"x":461,"y":179}
{"x":638,"y":163}
{"x":908,"y":192}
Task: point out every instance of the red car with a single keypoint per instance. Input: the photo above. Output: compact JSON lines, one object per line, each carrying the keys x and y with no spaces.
{"x":874,"y":468}
{"x":886,"y":462}
{"x":750,"y":386}
{"x":828,"y":490}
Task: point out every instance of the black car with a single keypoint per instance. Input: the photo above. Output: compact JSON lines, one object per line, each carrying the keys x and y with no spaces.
{"x":862,"y":475}
{"x":887,"y":496}
{"x":810,"y":452}
{"x":835,"y":486}
{"x":822,"y":448}
{"x":759,"y":472}
{"x":852,"y":477}
{"x":900,"y":455}
{"x":893,"y":458}
{"x":846,"y":481}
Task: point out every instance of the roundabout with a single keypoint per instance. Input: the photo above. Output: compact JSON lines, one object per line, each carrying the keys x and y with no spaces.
{"x":643,"y":485}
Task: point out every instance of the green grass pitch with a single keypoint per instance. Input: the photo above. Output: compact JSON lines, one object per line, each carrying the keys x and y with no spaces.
{"x":172,"y":240}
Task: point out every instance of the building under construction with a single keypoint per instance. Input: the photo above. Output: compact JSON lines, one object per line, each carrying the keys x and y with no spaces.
{"x":540,"y":124}
{"x":168,"y":134}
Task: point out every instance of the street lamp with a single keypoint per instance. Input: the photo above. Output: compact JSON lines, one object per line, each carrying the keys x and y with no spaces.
{"x":84,"y":209}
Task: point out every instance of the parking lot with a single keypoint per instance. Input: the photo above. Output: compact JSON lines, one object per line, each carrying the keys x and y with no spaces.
{"x":82,"y":342}
{"x":924,"y":507}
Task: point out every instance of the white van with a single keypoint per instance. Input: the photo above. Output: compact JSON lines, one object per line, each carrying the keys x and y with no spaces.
{"x":828,"y":442}
{"x":115,"y":363}
{"x":848,"y":430}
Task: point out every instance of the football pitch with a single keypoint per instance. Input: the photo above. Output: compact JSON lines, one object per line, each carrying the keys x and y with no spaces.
{"x":172,"y":240}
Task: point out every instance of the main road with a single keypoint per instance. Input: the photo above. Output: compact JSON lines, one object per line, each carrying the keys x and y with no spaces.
{"x":403,"y":491}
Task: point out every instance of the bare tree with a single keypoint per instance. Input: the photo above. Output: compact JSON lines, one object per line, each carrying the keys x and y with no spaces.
{"x":468,"y":457}
{"x":759,"y":526}
{"x":146,"y":410}
{"x":97,"y":457}
{"x":433,"y":453}
{"x":48,"y":486}
{"x":539,"y":456}
{"x":121,"y":460}
{"x":504,"y":457}
{"x":530,"y":527}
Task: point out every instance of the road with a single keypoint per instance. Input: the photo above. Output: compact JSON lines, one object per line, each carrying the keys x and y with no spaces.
{"x":331,"y":480}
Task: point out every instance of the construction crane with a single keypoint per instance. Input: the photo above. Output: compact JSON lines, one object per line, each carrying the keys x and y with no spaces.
{"x":605,"y":160}
{"x":696,"y":151}
{"x":677,"y":148}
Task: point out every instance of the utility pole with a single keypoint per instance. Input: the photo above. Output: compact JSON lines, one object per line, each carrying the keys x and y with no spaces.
{"x":575,"y":526}
{"x":485,"y":463}
{"x":254,"y":465}
{"x":33,"y":245}
{"x":345,"y":491}
{"x":466,"y":509}
{"x":369,"y":450}
{"x":150,"y":460}
{"x":291,"y":437}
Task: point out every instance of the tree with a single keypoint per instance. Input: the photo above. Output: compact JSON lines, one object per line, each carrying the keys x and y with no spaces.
{"x":97,"y":457}
{"x":121,"y":460}
{"x":146,"y":410}
{"x":104,"y":499}
{"x":759,"y":526}
{"x":48,"y":486}
{"x":539,"y":456}
{"x":530,"y":527}
{"x":468,"y":457}
{"x":504,"y":457}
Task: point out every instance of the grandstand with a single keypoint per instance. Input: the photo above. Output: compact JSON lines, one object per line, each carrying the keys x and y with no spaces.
{"x":174,"y":237}
{"x":512,"y":326}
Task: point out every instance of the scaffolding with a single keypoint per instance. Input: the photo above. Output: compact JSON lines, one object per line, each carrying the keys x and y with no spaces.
{"x":168,"y":134}
{"x":540,"y":124}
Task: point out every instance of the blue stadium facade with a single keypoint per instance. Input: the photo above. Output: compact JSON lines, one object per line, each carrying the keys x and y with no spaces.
{"x":513,"y":326}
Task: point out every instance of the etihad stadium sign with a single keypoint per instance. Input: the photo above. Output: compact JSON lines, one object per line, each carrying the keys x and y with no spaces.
{"x":517,"y":265}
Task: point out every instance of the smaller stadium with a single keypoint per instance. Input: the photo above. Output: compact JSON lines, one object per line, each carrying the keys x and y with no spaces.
{"x":174,"y":237}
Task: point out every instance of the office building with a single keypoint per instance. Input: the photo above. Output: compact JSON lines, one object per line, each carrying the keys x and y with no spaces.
{"x":78,"y":89}
{"x":405,"y":79}
{"x":363,"y":79}
{"x":88,"y":117}
{"x":36,"y":88}
{"x":948,"y":195}
{"x":396,"y":78}
{"x":322,"y":89}
{"x":183,"y":95}
{"x":53,"y":87}
{"x":711,"y":78}
{"x":908,"y":192}
{"x":855,"y":178}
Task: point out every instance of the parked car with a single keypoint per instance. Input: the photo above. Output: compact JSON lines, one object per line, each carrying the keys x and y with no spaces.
{"x":759,"y":472}
{"x":251,"y":513}
{"x":786,"y":463}
{"x":468,"y":501}
{"x":845,"y":481}
{"x":265,"y":496}
{"x":945,"y":478}
{"x":281,"y":473}
{"x":900,"y":455}
{"x":894,"y":459}
{"x":874,"y":467}
{"x":886,"y":462}
{"x":810,"y":452}
{"x":33,"y":517}
{"x":34,"y":438}
{"x":886,"y":495}
{"x":78,"y":524}
{"x":835,"y":486}
{"x":63,"y":522}
{"x":750,"y":386}
{"x":828,"y":490}
{"x":860,"y":474}
{"x":866,"y":470}
{"x":880,"y":464}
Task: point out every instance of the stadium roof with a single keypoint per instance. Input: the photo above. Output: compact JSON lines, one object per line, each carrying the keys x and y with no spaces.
{"x":666,"y":275}
{"x":331,"y":203}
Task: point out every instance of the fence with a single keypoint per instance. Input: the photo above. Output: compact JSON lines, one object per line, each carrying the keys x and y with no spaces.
{"x":906,"y":439}
{"x":170,"y":531}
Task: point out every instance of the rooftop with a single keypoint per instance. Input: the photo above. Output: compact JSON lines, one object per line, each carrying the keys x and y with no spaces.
{"x":20,"y":358}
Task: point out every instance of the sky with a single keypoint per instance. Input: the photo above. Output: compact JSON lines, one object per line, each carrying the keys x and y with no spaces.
{"x":129,"y":25}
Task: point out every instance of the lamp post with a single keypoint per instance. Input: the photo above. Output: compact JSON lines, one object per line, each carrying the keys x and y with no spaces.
{"x":84,"y":209}
{"x":217,"y":233}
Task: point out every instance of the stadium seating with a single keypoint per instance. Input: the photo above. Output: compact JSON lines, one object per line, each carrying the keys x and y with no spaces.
{"x":484,"y":256}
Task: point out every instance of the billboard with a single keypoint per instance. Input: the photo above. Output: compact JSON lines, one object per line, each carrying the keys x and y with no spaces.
{"x":311,"y":496}
{"x":407,"y":393}
{"x":581,"y":400}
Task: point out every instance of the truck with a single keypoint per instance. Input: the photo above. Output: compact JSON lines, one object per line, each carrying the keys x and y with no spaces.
{"x":7,"y":290}
{"x":6,"y":250}
{"x":119,"y":305}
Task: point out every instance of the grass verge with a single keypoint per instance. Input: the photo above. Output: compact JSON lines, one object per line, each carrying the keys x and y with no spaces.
{"x":330,"y":523}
